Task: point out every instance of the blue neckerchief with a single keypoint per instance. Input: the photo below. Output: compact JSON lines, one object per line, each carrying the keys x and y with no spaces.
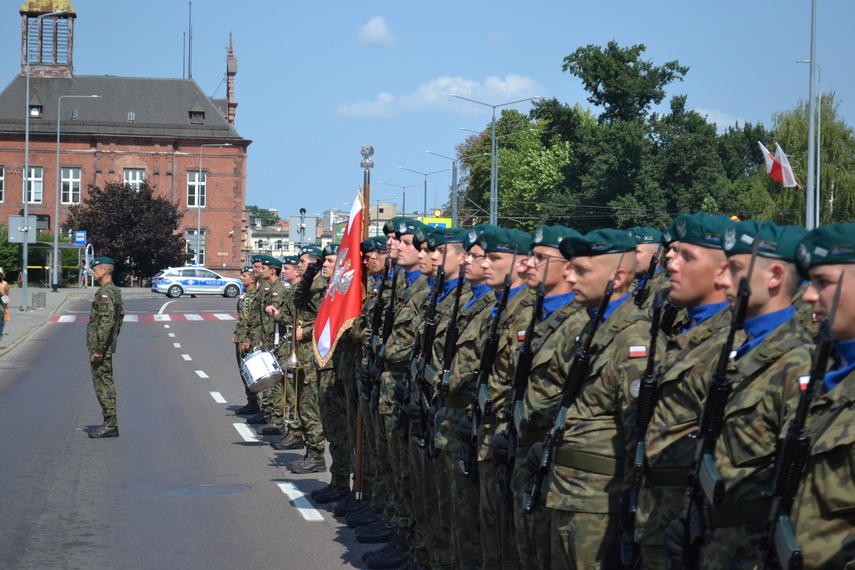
{"x":555,"y":302}
{"x":642,"y":279}
{"x":511,"y":292}
{"x":378,"y":279}
{"x":447,"y":287}
{"x":610,"y":308}
{"x":758,"y":328}
{"x":478,"y":291}
{"x":412,"y":276}
{"x":701,"y":313}
{"x":846,"y":358}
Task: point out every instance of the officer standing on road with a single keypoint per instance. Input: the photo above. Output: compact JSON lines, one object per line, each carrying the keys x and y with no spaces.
{"x":102,"y":332}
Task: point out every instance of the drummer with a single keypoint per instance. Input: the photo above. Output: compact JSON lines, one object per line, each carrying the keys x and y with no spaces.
{"x":271,"y":296}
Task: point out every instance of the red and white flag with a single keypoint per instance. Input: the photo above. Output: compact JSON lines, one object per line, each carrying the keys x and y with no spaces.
{"x":342,"y":302}
{"x":778,"y":167}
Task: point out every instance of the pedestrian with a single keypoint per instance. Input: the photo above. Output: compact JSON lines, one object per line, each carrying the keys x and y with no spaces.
{"x":102,"y":332}
{"x":4,"y":300}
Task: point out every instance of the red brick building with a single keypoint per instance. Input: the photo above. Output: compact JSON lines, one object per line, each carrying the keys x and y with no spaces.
{"x":164,"y":131}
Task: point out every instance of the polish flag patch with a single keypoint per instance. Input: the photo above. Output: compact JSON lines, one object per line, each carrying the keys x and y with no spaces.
{"x":105,"y":296}
{"x":637,"y":351}
{"x":275,"y":294}
{"x":814,"y":318}
{"x":803,"y":382}
{"x":521,"y":335}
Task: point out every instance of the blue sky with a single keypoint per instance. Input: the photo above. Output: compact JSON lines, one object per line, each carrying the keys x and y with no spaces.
{"x":317,"y":80}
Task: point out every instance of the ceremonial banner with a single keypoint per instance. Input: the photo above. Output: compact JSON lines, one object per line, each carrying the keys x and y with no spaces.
{"x":778,"y":167}
{"x":342,"y":302}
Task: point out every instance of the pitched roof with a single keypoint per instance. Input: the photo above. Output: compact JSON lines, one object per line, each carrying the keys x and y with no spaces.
{"x":160,"y":107}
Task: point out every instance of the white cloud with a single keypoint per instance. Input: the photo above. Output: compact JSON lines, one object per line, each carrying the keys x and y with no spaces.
{"x":434,"y":96}
{"x":376,"y":32}
{"x":721,"y":119}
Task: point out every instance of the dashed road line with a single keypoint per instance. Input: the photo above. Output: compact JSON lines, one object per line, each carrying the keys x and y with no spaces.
{"x":303,"y":506}
{"x":246,"y":433}
{"x":186,"y":357}
{"x":201,"y":374}
{"x":171,"y":335}
{"x":176,"y":344}
{"x":218,"y":398}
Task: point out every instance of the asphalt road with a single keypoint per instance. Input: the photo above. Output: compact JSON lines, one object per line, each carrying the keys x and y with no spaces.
{"x":181,"y":487}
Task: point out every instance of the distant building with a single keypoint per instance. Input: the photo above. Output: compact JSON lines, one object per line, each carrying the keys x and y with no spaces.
{"x":153,"y":129}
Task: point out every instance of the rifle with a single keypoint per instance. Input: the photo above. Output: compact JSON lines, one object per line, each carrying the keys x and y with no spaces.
{"x":419,"y":366}
{"x":572,"y":385}
{"x":519,"y":423}
{"x":644,"y":410}
{"x":376,"y":320}
{"x":380,"y":346}
{"x":779,"y":549}
{"x":703,"y":479}
{"x":643,"y":290}
{"x":482,"y":404}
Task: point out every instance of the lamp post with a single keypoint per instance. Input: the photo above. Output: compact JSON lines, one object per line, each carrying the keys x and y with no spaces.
{"x":24,"y":279}
{"x":817,"y":200}
{"x":425,"y":174}
{"x":302,"y":229}
{"x":404,"y":191}
{"x":494,"y":153}
{"x":57,"y":264}
{"x":199,"y":198}
{"x":454,"y":205}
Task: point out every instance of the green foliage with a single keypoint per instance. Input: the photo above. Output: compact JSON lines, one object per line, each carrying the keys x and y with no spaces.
{"x":268,"y":218}
{"x":138,"y":230}
{"x":10,"y":256}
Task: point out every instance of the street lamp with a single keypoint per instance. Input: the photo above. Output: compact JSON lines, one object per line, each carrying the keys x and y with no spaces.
{"x":57,"y":264}
{"x":454,"y":181}
{"x":425,"y":174}
{"x":404,"y":191}
{"x":494,"y":157}
{"x":199,"y":198}
{"x":26,"y":177}
{"x":817,"y":200}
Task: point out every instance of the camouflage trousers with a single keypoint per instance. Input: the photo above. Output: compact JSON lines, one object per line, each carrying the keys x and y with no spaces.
{"x":532,"y":530}
{"x":736,"y":547}
{"x":383,"y":499}
{"x":334,"y":419}
{"x":498,"y":539}
{"x":464,"y":496}
{"x":370,"y":480}
{"x":105,"y":389}
{"x":310,"y":414}
{"x":431,"y":515}
{"x":585,"y":540}
{"x":291,"y":389}
{"x":251,"y":397}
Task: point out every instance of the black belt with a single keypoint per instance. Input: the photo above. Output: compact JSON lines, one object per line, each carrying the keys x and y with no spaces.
{"x":589,"y":462}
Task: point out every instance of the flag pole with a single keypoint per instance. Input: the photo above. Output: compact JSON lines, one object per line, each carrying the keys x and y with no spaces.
{"x":367,"y":164}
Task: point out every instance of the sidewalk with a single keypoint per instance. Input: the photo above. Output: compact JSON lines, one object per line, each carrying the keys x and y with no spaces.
{"x":25,"y":322}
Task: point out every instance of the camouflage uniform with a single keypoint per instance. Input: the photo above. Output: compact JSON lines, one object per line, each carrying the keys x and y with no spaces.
{"x":658,"y":282}
{"x":804,"y":313}
{"x":243,"y":334}
{"x":307,"y":300}
{"x":273,"y":400}
{"x":552,"y":342}
{"x":102,"y":332}
{"x":765,"y":383}
{"x":586,"y":479}
{"x":684,"y":374}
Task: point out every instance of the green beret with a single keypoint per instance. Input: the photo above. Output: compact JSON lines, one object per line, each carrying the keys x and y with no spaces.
{"x":551,"y":236}
{"x":644,"y":235}
{"x":669,"y":236}
{"x":290,"y":260}
{"x":256,"y":258}
{"x":374,"y":243}
{"x":270,"y":260}
{"x":442,"y":236}
{"x":824,"y":245}
{"x":406,"y":226}
{"x":520,"y":240}
{"x":777,"y":242}
{"x":247,"y":269}
{"x":474,"y":233}
{"x":504,"y":241}
{"x":392,"y":224}
{"x":102,"y":261}
{"x":331,"y":249}
{"x":702,"y":229}
{"x":597,"y":242}
{"x":310,"y":249}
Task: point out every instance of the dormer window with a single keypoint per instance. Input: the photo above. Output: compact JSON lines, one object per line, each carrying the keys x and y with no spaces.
{"x":35,"y":107}
{"x":197,"y":113}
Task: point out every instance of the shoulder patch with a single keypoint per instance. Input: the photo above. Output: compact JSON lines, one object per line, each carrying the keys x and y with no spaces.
{"x":803,"y":382}
{"x":635,"y":387}
{"x":638,"y":351}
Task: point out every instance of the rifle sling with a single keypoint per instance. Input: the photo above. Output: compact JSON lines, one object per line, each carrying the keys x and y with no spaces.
{"x":672,"y":477}
{"x":745,"y":512}
{"x":588,"y":462}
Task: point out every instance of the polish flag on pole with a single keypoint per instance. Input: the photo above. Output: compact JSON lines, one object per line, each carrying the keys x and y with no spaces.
{"x":342,"y":302}
{"x":778,"y":167}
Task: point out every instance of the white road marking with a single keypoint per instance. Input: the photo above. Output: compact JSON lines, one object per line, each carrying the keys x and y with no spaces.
{"x":245,"y":432}
{"x":160,"y":317}
{"x":303,"y":506}
{"x":218,"y":398}
{"x":171,"y":335}
{"x":186,"y":357}
{"x":201,"y":374}
{"x":67,"y":318}
{"x":132,"y":318}
{"x":166,"y":326}
{"x":224,"y":316}
{"x":176,"y":344}
{"x":193,"y":317}
{"x":162,"y":307}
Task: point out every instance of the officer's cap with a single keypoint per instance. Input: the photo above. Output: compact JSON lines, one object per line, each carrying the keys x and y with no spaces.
{"x":102,"y":261}
{"x":826,"y":245}
{"x":551,"y":236}
{"x":597,"y":242}
{"x":642,"y":234}
{"x":702,"y":229}
{"x":777,"y":242}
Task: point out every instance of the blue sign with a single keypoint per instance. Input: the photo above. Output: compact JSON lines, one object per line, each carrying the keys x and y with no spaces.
{"x":80,"y":238}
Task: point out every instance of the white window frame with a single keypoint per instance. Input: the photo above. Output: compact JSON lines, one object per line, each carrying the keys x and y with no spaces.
{"x":197,"y":189}
{"x":35,"y":185}
{"x":70,"y":186}
{"x":134,"y":177}
{"x":2,"y":184}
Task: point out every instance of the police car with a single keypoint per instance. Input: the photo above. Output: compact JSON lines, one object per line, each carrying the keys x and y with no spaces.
{"x":177,"y":281}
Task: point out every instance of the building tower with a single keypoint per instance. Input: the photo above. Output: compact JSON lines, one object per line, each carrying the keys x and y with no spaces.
{"x":50,"y":39}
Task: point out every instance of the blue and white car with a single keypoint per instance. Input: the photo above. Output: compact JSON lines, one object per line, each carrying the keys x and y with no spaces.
{"x":177,"y":281}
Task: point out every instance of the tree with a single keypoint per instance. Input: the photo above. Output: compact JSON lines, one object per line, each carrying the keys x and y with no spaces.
{"x":268,"y":218}
{"x":10,"y":257}
{"x":624,"y":85}
{"x":138,"y":230}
